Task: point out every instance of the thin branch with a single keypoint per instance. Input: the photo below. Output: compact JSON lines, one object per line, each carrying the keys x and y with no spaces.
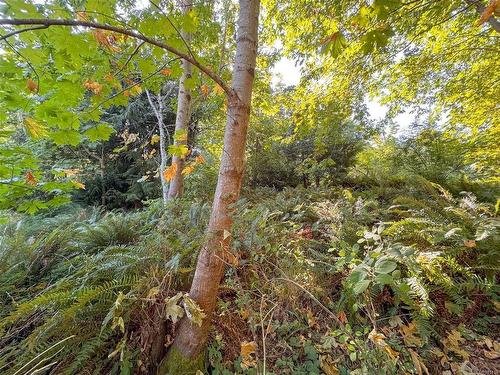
{"x":3,"y":37}
{"x":175,"y":27}
{"x":134,"y":52}
{"x":134,"y":34}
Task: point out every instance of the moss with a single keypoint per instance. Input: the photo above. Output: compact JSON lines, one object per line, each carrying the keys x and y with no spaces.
{"x":175,"y":363}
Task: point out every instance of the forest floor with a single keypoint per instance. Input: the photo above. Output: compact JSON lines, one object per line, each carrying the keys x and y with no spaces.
{"x":334,"y":281}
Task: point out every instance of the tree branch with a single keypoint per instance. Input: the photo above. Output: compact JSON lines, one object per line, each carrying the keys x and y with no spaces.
{"x":480,"y":9}
{"x":47,"y":22}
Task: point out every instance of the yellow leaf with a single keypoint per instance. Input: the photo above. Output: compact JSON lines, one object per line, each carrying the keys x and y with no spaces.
{"x":378,"y":339}
{"x":205,"y":90}
{"x":170,"y":172}
{"x":78,"y":185}
{"x":418,"y":363}
{"x":155,"y":139}
{"x":246,"y":351}
{"x":32,"y":86}
{"x":408,"y":335}
{"x":218,"y":90}
{"x":453,"y":342}
{"x":34,"y":128}
{"x":188,"y":170}
{"x":136,"y":90}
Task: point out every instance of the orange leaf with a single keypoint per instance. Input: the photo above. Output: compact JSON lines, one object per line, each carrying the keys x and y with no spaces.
{"x":30,"y":178}
{"x":82,"y":16}
{"x":170,"y":172}
{"x":470,"y":243}
{"x":166,"y":72}
{"x":188,"y":170}
{"x":93,"y":86}
{"x":205,"y":90}
{"x":32,"y":86}
{"x":199,"y":159}
{"x":342,"y":317}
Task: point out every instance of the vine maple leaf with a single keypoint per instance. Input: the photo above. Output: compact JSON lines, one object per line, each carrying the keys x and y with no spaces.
{"x":170,"y":172}
{"x":32,"y":86}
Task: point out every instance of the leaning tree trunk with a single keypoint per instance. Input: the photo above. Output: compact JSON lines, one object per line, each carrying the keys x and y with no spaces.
{"x":187,"y":352}
{"x":183,"y":113}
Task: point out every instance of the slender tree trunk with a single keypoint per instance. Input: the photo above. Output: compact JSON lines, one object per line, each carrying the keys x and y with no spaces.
{"x":183,"y":113}
{"x":186,"y":354}
{"x":163,"y":153}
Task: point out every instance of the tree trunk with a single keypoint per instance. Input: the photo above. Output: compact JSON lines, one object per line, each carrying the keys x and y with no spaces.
{"x":183,"y":113}
{"x":163,"y":153}
{"x":187,"y":352}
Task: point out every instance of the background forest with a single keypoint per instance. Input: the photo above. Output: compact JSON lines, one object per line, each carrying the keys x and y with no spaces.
{"x":170,"y":205}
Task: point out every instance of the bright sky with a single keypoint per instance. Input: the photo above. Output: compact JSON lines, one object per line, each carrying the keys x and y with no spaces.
{"x":286,"y":72}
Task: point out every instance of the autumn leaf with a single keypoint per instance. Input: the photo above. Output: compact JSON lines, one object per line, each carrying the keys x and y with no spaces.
{"x":453,"y":343}
{"x":126,"y":93}
{"x":32,"y":86}
{"x":327,"y":365}
{"x":470,"y":243}
{"x":78,"y":185}
{"x":379,"y":340}
{"x":155,"y":139}
{"x":136,"y":90}
{"x":193,"y":311}
{"x":172,"y":310}
{"x":35,"y":129}
{"x":30,"y":178}
{"x":106,"y":40}
{"x":408,"y":331}
{"x":93,"y":86}
{"x":205,"y":90}
{"x":342,"y":317}
{"x":166,"y":71}
{"x":199,"y":159}
{"x":218,"y":90}
{"x":187,"y":170}
{"x":170,"y":172}
{"x":82,"y":16}
{"x":246,"y":351}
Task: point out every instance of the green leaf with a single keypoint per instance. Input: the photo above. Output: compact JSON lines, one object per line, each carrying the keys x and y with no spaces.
{"x":178,"y":150}
{"x":384,"y":265}
{"x":66,"y":137}
{"x":360,"y":286}
{"x":101,"y":132}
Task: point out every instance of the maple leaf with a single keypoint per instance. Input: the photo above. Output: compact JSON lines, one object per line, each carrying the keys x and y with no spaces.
{"x":35,"y":129}
{"x":205,"y":90}
{"x":93,"y":86}
{"x":187,"y":170}
{"x":170,"y":172}
{"x":193,"y":311}
{"x":407,"y":331}
{"x":32,"y":86}
{"x":166,"y":71}
{"x":172,"y":310}
{"x":30,"y":178}
{"x":246,"y":351}
{"x":105,"y":40}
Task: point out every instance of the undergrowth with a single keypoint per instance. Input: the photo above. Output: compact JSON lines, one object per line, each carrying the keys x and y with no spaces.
{"x":331,"y":281}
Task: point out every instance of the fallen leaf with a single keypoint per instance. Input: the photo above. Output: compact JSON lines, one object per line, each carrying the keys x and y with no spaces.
{"x":172,"y":310}
{"x":327,"y":365}
{"x":246,"y":351}
{"x":342,"y":317}
{"x":193,"y":311}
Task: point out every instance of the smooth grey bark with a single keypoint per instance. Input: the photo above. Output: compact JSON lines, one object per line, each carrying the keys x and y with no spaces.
{"x":183,"y":116}
{"x":191,"y":339}
{"x":163,"y":153}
